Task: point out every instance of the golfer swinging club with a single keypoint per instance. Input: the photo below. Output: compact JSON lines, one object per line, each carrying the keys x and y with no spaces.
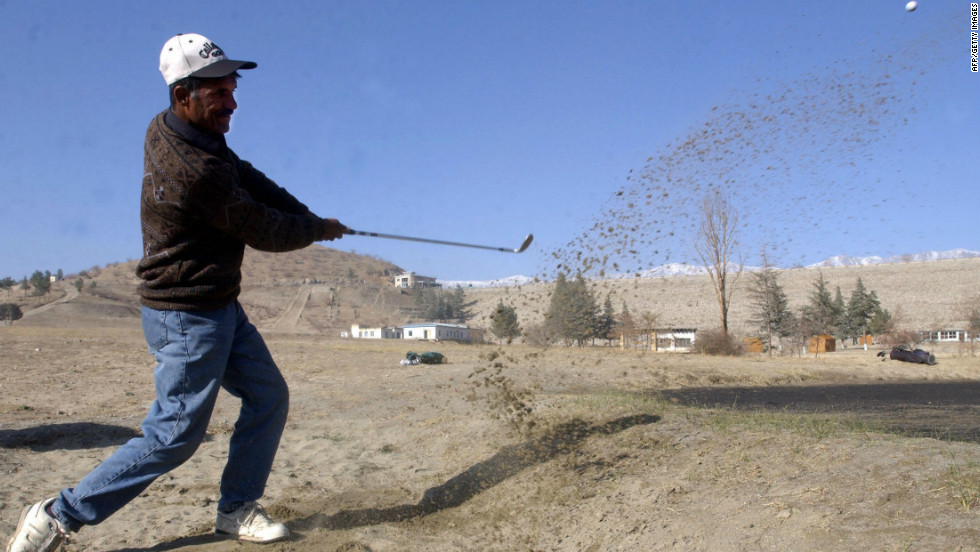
{"x":201,"y":205}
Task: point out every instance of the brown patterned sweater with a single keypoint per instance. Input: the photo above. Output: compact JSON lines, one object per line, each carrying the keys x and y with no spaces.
{"x":201,"y":205}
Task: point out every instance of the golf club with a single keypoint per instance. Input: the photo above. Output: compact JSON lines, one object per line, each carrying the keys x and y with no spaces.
{"x":524,"y":245}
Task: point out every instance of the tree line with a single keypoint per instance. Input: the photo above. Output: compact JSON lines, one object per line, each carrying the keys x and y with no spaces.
{"x":37,"y":285}
{"x":439,"y":305}
{"x":575,"y":316}
{"x":824,"y":313}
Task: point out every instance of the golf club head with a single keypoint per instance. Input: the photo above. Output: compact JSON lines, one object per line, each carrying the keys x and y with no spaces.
{"x":527,"y":242}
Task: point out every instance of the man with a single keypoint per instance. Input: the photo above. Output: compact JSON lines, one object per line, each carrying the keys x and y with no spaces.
{"x":201,"y":205}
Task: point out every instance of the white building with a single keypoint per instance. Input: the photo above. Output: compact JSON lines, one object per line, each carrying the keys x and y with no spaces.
{"x":358,"y":332}
{"x":411,"y":279}
{"x":674,"y":340}
{"x":946,"y":335}
{"x":436,"y":331}
{"x":426,"y":331}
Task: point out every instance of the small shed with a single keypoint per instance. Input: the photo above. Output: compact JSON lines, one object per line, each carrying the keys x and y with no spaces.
{"x":752,"y":344}
{"x":822,"y":344}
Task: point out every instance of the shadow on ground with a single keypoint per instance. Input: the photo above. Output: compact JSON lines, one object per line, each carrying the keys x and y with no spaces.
{"x":478,"y":478}
{"x":943,"y":410}
{"x":70,"y":436}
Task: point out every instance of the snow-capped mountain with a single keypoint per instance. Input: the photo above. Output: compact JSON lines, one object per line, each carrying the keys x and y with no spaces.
{"x":846,"y":260}
{"x":684,"y":269}
{"x":502,"y":282}
{"x":672,"y":269}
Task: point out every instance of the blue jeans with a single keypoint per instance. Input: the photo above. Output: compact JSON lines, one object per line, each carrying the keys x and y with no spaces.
{"x":197,"y":352}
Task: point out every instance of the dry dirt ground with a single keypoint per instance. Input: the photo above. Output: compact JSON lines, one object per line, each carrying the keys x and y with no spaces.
{"x":518,"y":448}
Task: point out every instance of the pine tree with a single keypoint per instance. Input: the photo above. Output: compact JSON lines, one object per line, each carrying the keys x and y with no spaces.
{"x":606,"y":320}
{"x":503,"y":322}
{"x":582,"y":323}
{"x":572,"y":312}
{"x":430,"y":304}
{"x":862,"y":307}
{"x":881,"y":322}
{"x":441,"y":305}
{"x":456,"y":305}
{"x":555,"y":318}
{"x":842,"y":323}
{"x":771,"y":314}
{"x":819,"y":316}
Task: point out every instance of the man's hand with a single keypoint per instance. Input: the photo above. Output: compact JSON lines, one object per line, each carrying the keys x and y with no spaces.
{"x":333,"y":229}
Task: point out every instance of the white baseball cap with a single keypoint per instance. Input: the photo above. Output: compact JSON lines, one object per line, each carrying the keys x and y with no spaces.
{"x":192,"y":55}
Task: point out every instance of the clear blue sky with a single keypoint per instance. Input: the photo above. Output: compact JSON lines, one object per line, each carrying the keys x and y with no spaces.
{"x":484,"y":121}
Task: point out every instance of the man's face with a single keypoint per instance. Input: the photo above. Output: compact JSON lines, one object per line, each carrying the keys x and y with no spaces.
{"x":210,"y":106}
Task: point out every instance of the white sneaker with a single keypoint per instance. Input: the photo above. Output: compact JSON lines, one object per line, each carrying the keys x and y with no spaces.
{"x":250,"y":523}
{"x":37,"y":531}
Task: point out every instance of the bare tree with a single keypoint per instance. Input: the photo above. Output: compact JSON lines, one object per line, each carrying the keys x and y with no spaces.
{"x":971,"y":311}
{"x":716,"y":243}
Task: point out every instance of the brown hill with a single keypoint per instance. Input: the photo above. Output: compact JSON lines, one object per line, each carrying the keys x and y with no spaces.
{"x":316,"y":289}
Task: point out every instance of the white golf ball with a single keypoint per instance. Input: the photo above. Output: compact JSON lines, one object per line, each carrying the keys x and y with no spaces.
{"x":910,"y":7}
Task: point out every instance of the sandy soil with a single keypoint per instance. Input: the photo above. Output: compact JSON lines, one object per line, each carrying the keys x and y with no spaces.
{"x":517,"y":448}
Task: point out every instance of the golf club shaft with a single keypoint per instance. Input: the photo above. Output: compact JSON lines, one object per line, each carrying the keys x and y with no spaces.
{"x":527,"y":241}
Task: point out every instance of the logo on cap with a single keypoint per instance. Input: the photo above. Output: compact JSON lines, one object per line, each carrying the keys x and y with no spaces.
{"x":211,"y":49}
